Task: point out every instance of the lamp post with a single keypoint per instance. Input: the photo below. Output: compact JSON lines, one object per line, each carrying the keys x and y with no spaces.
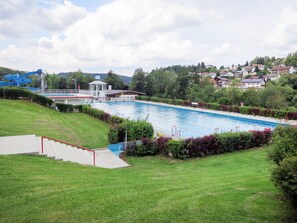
{"x":75,"y":83}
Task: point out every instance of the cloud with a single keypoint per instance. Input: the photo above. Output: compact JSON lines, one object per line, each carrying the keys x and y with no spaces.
{"x":61,"y":16}
{"x":121,"y":35}
{"x":284,"y":35}
{"x":19,"y":19}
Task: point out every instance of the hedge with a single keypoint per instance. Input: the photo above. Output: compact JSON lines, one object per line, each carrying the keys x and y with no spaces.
{"x":285,"y":177}
{"x":136,"y":130}
{"x":273,"y":113}
{"x":23,"y":94}
{"x":211,"y":144}
{"x":65,"y":107}
{"x":285,"y":143}
{"x":103,"y":116}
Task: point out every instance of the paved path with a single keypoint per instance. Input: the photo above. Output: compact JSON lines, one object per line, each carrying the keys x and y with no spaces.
{"x":26,"y":144}
{"x":107,"y":159}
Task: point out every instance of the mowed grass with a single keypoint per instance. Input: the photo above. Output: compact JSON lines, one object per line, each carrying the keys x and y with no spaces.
{"x":23,"y":117}
{"x":232,"y":187}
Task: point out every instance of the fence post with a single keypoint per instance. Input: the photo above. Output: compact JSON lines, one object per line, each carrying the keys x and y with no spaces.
{"x":94,"y":158}
{"x":41,"y":144}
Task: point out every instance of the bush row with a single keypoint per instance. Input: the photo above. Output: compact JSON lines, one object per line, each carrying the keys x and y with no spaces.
{"x":19,"y":93}
{"x":134,"y":130}
{"x":284,"y":154}
{"x":273,"y":113}
{"x":201,"y":146}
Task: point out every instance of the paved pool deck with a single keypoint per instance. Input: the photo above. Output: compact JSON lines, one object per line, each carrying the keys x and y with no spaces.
{"x":259,"y":118}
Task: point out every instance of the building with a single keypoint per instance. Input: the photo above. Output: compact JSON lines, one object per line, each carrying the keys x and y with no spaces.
{"x":283,"y":70}
{"x":97,"y":88}
{"x":252,"y":83}
{"x":271,"y":77}
{"x":122,"y":94}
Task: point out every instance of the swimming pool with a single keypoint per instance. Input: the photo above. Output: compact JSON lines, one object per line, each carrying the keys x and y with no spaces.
{"x":186,"y":123}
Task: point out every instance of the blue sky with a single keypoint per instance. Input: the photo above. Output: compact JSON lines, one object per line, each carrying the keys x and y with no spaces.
{"x":122,"y":35}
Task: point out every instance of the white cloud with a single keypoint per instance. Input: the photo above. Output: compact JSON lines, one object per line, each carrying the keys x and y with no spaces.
{"x":61,"y":16}
{"x":21,"y":18}
{"x":123,"y":34}
{"x":284,"y":36}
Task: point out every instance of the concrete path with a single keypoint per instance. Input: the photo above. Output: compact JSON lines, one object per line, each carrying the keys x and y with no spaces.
{"x":28,"y":144}
{"x":107,"y":159}
{"x":22,"y":144}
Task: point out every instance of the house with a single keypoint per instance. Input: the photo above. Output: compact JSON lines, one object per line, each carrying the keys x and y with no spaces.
{"x":271,"y":77}
{"x":252,"y":83}
{"x":229,"y":74}
{"x":222,"y":82}
{"x":283,"y":70}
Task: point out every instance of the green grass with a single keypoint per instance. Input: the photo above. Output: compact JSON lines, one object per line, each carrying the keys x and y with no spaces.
{"x":23,"y":117}
{"x":233,"y":187}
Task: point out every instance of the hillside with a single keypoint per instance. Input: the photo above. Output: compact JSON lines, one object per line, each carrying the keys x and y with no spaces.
{"x":233,"y":187}
{"x":23,"y":117}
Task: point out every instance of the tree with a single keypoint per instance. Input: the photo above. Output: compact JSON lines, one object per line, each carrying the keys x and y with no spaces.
{"x":291,"y":59}
{"x":250,"y":97}
{"x":273,"y":97}
{"x":201,"y":92}
{"x":149,"y":85}
{"x":138,"y":80}
{"x":53,"y":81}
{"x":114,"y":80}
{"x":246,"y":63}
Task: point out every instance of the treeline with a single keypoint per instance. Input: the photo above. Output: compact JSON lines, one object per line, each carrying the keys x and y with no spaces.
{"x":5,"y":70}
{"x":290,"y":60}
{"x":79,"y":80}
{"x":180,"y":83}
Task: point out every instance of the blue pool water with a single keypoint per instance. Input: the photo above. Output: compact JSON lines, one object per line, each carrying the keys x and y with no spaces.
{"x":116,"y":148}
{"x":189,"y":123}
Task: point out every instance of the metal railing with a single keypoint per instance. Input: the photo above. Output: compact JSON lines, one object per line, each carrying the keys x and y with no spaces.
{"x":60,"y":91}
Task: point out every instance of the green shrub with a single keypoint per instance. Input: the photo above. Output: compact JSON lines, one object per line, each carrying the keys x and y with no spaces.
{"x":284,"y":143}
{"x":103,"y":116}
{"x":21,"y":93}
{"x":42,"y":100}
{"x":147,"y":147}
{"x":65,"y":107}
{"x":16,"y":93}
{"x":229,"y":142}
{"x":136,"y":130}
{"x":113,"y":135}
{"x":115,"y":120}
{"x":214,"y":106}
{"x":78,"y":108}
{"x":285,"y":177}
{"x":177,"y":149}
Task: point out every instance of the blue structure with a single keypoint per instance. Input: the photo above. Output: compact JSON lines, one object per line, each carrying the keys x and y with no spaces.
{"x":20,"y":79}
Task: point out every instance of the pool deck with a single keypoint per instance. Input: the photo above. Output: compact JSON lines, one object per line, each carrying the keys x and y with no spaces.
{"x":259,"y":118}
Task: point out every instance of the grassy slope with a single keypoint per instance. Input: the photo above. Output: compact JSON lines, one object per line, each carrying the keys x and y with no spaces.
{"x":23,"y":117}
{"x":226,"y":188}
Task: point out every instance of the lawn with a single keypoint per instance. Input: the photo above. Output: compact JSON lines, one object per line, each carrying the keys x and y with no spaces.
{"x":24,"y":117}
{"x":232,"y":187}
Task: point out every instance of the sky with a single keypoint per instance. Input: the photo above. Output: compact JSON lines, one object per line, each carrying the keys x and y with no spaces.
{"x":123,"y":35}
